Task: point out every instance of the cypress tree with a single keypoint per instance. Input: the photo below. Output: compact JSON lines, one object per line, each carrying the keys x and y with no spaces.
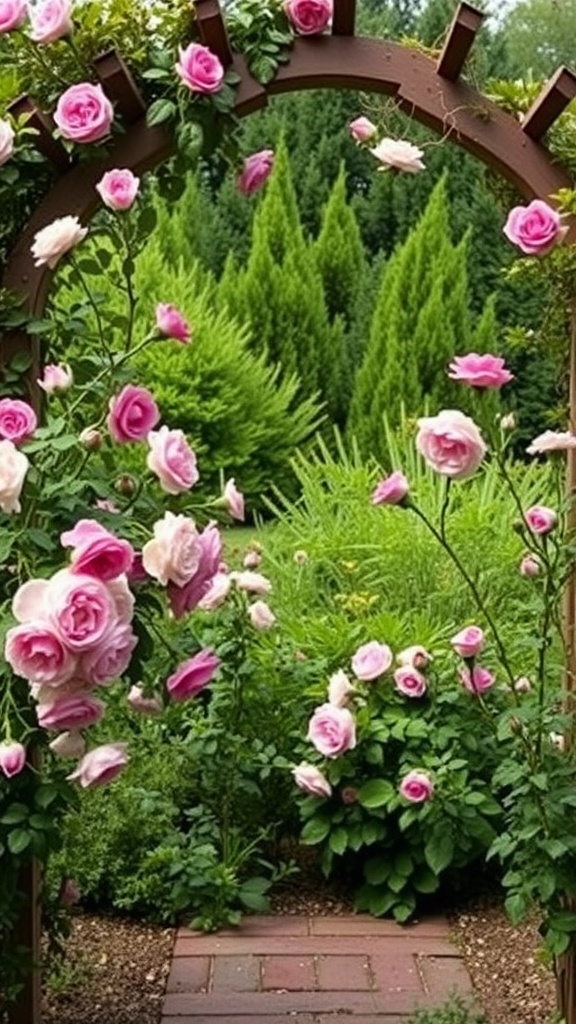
{"x":339,"y":253}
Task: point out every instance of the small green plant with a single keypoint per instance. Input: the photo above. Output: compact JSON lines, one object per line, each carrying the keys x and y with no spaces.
{"x":456,"y":1011}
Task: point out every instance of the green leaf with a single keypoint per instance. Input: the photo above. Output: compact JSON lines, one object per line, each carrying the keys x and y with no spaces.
{"x":375,"y":793}
{"x":338,"y":841}
{"x":21,"y":362}
{"x":516,"y":907}
{"x":6,"y":542}
{"x":15,"y":814}
{"x":315,"y":831}
{"x":425,"y":880}
{"x":160,"y":111}
{"x":402,"y":911}
{"x":563,"y":921}
{"x":403,"y":864}
{"x":376,"y":870}
{"x":18,"y":840}
{"x":439,"y":851}
{"x":46,"y":795}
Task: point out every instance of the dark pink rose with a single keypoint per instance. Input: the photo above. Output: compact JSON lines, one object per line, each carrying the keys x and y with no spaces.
{"x":172,"y":323}
{"x":84,"y":113}
{"x":133,"y":414}
{"x":417,"y":787}
{"x":73,"y":711}
{"x":199,"y":69}
{"x":309,"y":17}
{"x":391,"y":490}
{"x":409,"y":681}
{"x":100,"y":765}
{"x":479,"y":681}
{"x":18,"y":420}
{"x":535,"y":228}
{"x":36,"y":652}
{"x":184,"y":599}
{"x":540,"y":519}
{"x":172,"y":460}
{"x":255,"y":172}
{"x":97,"y":552}
{"x":480,"y":371}
{"x":12,"y":758}
{"x":193,"y":675}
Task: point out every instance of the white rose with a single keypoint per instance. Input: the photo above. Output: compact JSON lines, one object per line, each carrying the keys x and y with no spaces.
{"x":13,"y":469}
{"x":6,"y":142}
{"x":56,"y":239}
{"x":254,"y":582}
{"x":68,"y":744}
{"x":339,"y":689}
{"x":174,"y":553}
{"x":400,"y":154}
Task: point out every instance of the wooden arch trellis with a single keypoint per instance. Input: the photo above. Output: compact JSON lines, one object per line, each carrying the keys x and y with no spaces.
{"x":428,"y":90}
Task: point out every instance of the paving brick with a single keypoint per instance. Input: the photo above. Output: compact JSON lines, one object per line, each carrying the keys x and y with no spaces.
{"x":300,"y":1018}
{"x":189,"y":974}
{"x":292,"y":973}
{"x":444,"y":976}
{"x":308,"y":945}
{"x":396,"y":972}
{"x":363,"y":924}
{"x":260,"y":924}
{"x":343,"y":973}
{"x":236,"y":974}
{"x":260,"y":1004}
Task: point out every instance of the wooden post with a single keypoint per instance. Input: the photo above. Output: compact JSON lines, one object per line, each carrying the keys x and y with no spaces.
{"x":28,"y":933}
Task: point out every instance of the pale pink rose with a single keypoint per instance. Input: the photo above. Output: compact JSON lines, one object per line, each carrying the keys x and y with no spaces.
{"x":530,"y":566}
{"x":56,"y":239}
{"x":55,"y":378}
{"x":391,"y":490}
{"x":234,"y":500}
{"x":253,"y":582}
{"x":84,"y":113}
{"x":68,"y":744}
{"x":251,"y":560}
{"x":172,"y":460}
{"x":97,"y":552}
{"x":255,"y":172}
{"x":409,"y":681}
{"x":78,"y":711}
{"x":480,"y":680}
{"x":12,"y":758}
{"x":193,"y":675}
{"x":80,"y":608}
{"x":69,"y":893}
{"x":400,"y":155}
{"x":469,"y":642}
{"x":522,"y":685}
{"x":184,"y":599}
{"x":45,"y":693}
{"x":13,"y":14}
{"x":535,"y":228}
{"x":123,"y":599}
{"x":552,"y":441}
{"x":361,"y":129}
{"x":100,"y":765}
{"x":106,"y":505}
{"x":540,"y":519}
{"x":340,"y":689}
{"x":311,"y":780}
{"x":308,"y":17}
{"x":7,"y":137}
{"x":371,"y":660}
{"x":415,"y":656}
{"x":118,"y":189}
{"x":171,"y":323}
{"x":108,"y":661}
{"x":173,"y":555}
{"x":13,"y":468}
{"x":18,"y":420}
{"x":451,"y":443}
{"x":133,"y":413}
{"x":417,"y":787}
{"x":35,"y":652}
{"x":483,"y":371}
{"x":217,"y":592}
{"x":260,"y":615}
{"x":332,"y":730}
{"x":144,"y":705}
{"x":508,"y":421}
{"x":50,"y":20}
{"x":199,"y":69}
{"x":349,"y":795}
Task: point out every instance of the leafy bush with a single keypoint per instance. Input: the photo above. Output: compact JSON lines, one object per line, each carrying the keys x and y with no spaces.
{"x":457,"y":1011}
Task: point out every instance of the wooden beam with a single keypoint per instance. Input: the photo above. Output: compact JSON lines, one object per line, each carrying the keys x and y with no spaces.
{"x":344,"y":17}
{"x":212,"y":29}
{"x":119,"y":86}
{"x":461,"y":35}
{"x":552,"y":101}
{"x":43,"y":125}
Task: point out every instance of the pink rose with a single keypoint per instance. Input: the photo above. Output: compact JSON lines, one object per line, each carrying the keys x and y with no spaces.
{"x":184,"y":599}
{"x":80,"y":608}
{"x":260,"y":615}
{"x":480,"y":371}
{"x":13,"y":14}
{"x":50,"y":20}
{"x":75,"y":711}
{"x":17,"y":420}
{"x":234,"y":500}
{"x":391,"y":490}
{"x":118,"y":189}
{"x":309,"y":17}
{"x":530,"y":566}
{"x":35,"y":652}
{"x":417,"y":787}
{"x":84,"y":113}
{"x":12,"y":758}
{"x":144,"y":705}
{"x":415,"y":656}
{"x":253,"y":582}
{"x":108,"y":661}
{"x":193,"y":675}
{"x":100,"y":765}
{"x":332,"y":730}
{"x":311,"y":780}
{"x":68,"y":744}
{"x":7,"y":136}
{"x":340,"y":689}
{"x":469,"y":642}
{"x":361,"y":129}
{"x":409,"y":681}
{"x":451,"y":443}
{"x":399,"y":155}
{"x":199,"y":69}
{"x":480,"y":680}
{"x":172,"y":460}
{"x":97,"y":552}
{"x":122,"y":598}
{"x":55,"y":378}
{"x":371,"y":660}
{"x":171,"y":323}
{"x":217,"y":592}
{"x":251,"y":560}
{"x":535,"y":228}
{"x":522,"y":684}
{"x":13,"y":468}
{"x":133,"y":414}
{"x":552,"y":441}
{"x":56,"y":239}
{"x":540,"y":519}
{"x":174,"y":553}
{"x":255,"y":172}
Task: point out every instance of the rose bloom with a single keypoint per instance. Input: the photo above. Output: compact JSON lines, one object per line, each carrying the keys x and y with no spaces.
{"x":522,"y":685}
{"x":415,"y":656}
{"x":557,"y":740}
{"x":339,"y":689}
{"x":108,"y":661}
{"x":480,"y":680}
{"x":399,"y":154}
{"x":133,"y":413}
{"x":68,"y":744}
{"x":260,"y":615}
{"x":35,"y":652}
{"x":193,"y":675}
{"x":53,"y":241}
{"x":144,"y":705}
{"x":97,"y":552}
{"x":174,"y":553}
{"x":91,"y":439}
{"x":530,"y":566}
{"x":483,"y":371}
{"x":122,"y":598}
{"x":508,"y":421}
{"x":80,"y":608}
{"x":13,"y":468}
{"x":253,"y":582}
{"x":76,"y":711}
{"x":251,"y":560}
{"x":217,"y":592}
{"x":311,"y":780}
{"x":469,"y":642}
{"x":172,"y":460}
{"x":18,"y":420}
{"x":118,"y":189}
{"x":172,"y":323}
{"x":391,"y":490}
{"x":309,"y":17}
{"x":255,"y":172}
{"x":450,"y":443}
{"x":12,"y":758}
{"x":361,"y":129}
{"x":540,"y":519}
{"x":50,"y":20}
{"x":417,"y":787}
{"x":409,"y":681}
{"x":184,"y":599}
{"x":234,"y":500}
{"x":13,"y":14}
{"x":371,"y":660}
{"x":332,"y":730}
{"x":199,"y":69}
{"x":84,"y":113}
{"x":552,"y":441}
{"x":100,"y":765}
{"x":535,"y":228}
{"x":55,"y":378}
{"x":7,"y":137}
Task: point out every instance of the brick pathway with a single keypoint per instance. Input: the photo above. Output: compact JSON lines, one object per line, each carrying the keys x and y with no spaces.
{"x":312,"y":970}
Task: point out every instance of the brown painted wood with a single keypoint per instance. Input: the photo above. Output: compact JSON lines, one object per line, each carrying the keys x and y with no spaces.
{"x":459,"y":41}
{"x":212,"y":29}
{"x":552,"y":101}
{"x":44,"y":126}
{"x":119,"y":86}
{"x":344,"y":17}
